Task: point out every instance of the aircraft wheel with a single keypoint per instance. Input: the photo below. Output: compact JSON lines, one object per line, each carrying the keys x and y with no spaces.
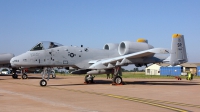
{"x":86,"y":80}
{"x":89,"y":79}
{"x":14,"y":76}
{"x":24,"y":76}
{"x":43,"y":82}
{"x":117,"y":80}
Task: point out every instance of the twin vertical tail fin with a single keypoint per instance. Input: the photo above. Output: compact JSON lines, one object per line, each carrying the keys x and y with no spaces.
{"x":178,"y":50}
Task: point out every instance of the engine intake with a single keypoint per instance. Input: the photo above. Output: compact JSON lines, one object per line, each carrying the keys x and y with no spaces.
{"x":127,"y":47}
{"x":110,"y":46}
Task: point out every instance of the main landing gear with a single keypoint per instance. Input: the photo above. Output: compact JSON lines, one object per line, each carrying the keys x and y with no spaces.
{"x":24,"y":75}
{"x":14,"y":75}
{"x":117,"y":79}
{"x":89,"y":79}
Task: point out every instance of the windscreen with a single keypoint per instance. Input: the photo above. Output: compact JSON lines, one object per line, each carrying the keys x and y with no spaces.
{"x":37,"y":47}
{"x":45,"y":45}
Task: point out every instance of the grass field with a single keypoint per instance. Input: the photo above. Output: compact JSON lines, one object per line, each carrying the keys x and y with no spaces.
{"x":139,"y":75}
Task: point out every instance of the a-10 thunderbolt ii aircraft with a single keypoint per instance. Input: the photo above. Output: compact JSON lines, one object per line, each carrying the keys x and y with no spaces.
{"x":101,"y":61}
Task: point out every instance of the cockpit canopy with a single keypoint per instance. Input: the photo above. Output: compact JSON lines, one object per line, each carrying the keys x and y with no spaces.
{"x":45,"y":45}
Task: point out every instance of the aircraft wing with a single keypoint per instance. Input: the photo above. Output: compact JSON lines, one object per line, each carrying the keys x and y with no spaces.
{"x":123,"y":60}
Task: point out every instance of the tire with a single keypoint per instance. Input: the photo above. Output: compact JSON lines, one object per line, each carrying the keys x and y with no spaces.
{"x":14,"y":76}
{"x":43,"y":82}
{"x":86,"y":81}
{"x":24,"y":76}
{"x":117,"y":80}
{"x":91,"y":81}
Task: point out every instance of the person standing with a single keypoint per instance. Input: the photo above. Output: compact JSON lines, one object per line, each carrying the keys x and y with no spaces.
{"x":108,"y":76}
{"x":189,"y":76}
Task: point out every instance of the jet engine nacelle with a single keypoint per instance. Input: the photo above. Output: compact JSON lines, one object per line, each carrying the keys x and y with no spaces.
{"x":5,"y":58}
{"x":127,"y":47}
{"x":110,"y":46}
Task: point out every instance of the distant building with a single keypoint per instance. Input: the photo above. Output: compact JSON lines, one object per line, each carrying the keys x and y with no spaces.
{"x":192,"y":67}
{"x":154,"y":69}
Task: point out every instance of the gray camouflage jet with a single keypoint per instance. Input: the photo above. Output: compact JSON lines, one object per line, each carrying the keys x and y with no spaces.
{"x":100,"y":61}
{"x":5,"y":59}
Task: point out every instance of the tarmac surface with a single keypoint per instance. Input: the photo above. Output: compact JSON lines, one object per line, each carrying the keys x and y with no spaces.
{"x":70,"y":94}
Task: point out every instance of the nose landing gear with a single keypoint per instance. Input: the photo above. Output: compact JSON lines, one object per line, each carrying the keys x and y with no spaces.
{"x":46,"y":71}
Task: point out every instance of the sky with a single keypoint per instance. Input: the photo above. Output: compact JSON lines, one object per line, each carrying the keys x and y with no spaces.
{"x":93,"y":23}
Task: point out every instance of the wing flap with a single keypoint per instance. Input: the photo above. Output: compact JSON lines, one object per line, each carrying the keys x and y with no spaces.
{"x":122,"y":60}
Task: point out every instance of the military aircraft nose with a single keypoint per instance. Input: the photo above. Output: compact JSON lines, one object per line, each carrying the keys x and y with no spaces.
{"x":13,"y":61}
